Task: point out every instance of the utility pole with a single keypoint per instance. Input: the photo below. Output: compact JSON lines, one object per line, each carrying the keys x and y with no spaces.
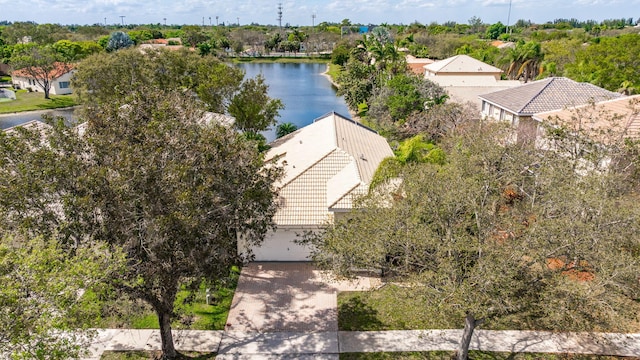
{"x":105,"y":21}
{"x":509,"y":16}
{"x":280,"y":15}
{"x":203,"y":21}
{"x":238,"y":21}
{"x":313,"y":21}
{"x":216,"y":20}
{"x":209,"y":20}
{"x":122,"y":19}
{"x":165,"y":22}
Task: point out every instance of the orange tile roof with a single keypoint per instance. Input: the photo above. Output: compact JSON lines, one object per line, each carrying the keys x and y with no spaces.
{"x":59,"y":70}
{"x":620,"y":115}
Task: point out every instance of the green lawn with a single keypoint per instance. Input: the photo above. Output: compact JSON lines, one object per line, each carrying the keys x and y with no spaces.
{"x":334,"y":71}
{"x":399,"y":308}
{"x":28,"y":101}
{"x":195,"y":315}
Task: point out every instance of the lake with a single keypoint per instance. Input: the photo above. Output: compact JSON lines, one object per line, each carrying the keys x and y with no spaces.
{"x":305,"y":92}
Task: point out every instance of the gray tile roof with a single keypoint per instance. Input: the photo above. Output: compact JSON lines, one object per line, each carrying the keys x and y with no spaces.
{"x":548,"y":94}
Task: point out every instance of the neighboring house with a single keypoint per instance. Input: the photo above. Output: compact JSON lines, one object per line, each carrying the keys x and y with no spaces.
{"x":38,"y":125}
{"x":59,"y":77}
{"x":518,"y":105}
{"x":416,"y":65}
{"x":327,"y":164}
{"x":464,"y":78}
{"x":605,"y":121}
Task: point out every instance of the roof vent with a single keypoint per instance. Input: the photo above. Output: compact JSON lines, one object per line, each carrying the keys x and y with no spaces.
{"x":362,"y":157}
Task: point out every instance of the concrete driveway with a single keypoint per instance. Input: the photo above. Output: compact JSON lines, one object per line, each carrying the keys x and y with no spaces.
{"x":291,"y":297}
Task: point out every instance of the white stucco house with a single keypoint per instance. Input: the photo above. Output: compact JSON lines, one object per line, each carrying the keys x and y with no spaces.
{"x":59,"y":79}
{"x":464,"y":78}
{"x":327,"y":164}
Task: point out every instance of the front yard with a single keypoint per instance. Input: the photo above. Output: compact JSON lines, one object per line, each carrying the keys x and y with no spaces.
{"x":395,"y":307}
{"x":29,"y":101}
{"x":120,"y":312}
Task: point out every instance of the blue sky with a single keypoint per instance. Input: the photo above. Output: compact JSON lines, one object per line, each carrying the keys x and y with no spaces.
{"x":297,"y":12}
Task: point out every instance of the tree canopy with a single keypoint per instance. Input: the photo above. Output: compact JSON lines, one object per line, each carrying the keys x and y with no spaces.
{"x":500,"y":230}
{"x":41,"y":285}
{"x":145,"y":174}
{"x":608,"y":63}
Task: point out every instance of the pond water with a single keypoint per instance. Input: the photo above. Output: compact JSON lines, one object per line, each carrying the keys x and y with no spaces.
{"x":306,"y":93}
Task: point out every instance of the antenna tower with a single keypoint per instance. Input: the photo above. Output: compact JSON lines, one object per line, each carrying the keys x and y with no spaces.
{"x":280,"y":15}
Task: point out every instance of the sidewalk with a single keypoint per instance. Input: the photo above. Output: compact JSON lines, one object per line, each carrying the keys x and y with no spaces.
{"x":328,"y":344}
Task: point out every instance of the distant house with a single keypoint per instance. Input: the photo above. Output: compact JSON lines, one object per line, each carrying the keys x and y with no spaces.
{"x":465,"y":78}
{"x":605,"y":121}
{"x":518,"y":105}
{"x":29,"y":125}
{"x":327,"y":164}
{"x":59,"y":78}
{"x":416,"y":65}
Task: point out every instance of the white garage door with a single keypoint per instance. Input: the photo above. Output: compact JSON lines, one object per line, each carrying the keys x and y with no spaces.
{"x":280,"y":246}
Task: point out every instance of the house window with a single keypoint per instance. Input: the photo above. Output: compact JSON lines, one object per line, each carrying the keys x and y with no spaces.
{"x":63,"y":84}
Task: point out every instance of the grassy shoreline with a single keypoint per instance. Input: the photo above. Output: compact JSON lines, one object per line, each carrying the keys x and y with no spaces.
{"x":280,"y":59}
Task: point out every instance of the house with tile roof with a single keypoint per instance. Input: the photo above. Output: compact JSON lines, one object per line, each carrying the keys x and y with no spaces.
{"x":464,"y":78}
{"x":416,"y":65}
{"x":59,"y":78}
{"x":518,"y":105}
{"x":605,"y":121}
{"x":327,"y":165}
{"x":36,"y":125}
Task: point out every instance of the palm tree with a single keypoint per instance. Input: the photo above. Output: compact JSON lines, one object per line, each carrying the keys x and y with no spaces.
{"x":285,"y":128}
{"x":524,"y":61}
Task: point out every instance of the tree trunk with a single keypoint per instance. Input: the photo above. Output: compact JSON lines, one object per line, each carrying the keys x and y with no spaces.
{"x":168,"y":349}
{"x":470,"y":324}
{"x":46,"y":93}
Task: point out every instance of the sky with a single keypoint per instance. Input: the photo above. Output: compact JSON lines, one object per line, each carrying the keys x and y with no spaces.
{"x":301,"y":13}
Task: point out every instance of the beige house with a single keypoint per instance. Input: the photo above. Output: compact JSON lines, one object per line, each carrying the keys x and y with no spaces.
{"x":327,"y":164}
{"x":59,"y":79}
{"x":518,"y":105}
{"x":465,"y":78}
{"x":606,"y":121}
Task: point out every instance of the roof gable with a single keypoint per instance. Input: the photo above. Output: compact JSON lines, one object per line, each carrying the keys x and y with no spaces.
{"x":324,"y":162}
{"x":546,"y":95}
{"x":461,"y":64}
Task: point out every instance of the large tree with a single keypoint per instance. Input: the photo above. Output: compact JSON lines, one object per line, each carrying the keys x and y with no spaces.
{"x":148,"y":176}
{"x":252,"y":108}
{"x":41,"y":63}
{"x":41,"y":285}
{"x":102,"y":77}
{"x":500,"y":230}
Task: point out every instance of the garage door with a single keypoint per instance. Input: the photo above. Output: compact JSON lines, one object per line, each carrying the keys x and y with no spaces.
{"x":280,"y":246}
